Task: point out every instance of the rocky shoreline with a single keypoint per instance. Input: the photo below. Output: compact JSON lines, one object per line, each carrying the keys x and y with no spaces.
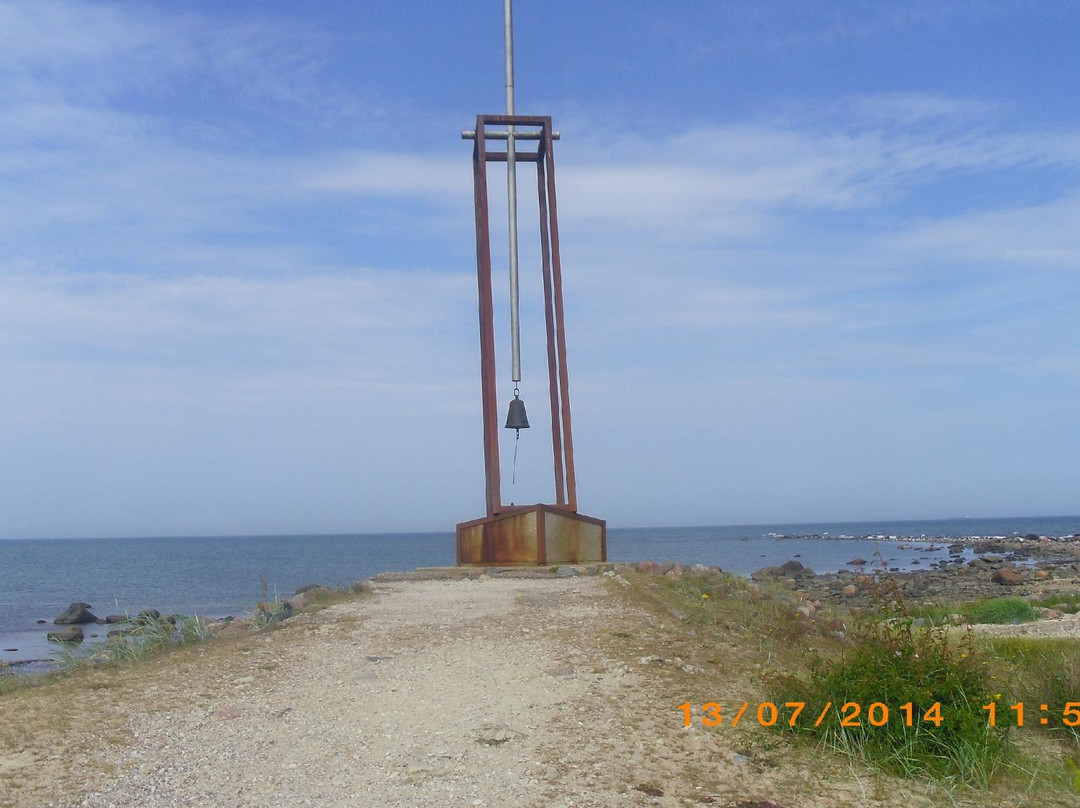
{"x":1033,"y":569}
{"x":1030,"y":568}
{"x":77,"y":623}
{"x":1020,"y":538}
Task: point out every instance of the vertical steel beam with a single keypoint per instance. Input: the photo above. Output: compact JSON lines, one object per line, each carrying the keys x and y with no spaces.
{"x":549,"y":322}
{"x":488,"y":389}
{"x":560,"y":328}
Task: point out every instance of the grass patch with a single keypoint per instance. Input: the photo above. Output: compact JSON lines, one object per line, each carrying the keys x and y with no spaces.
{"x":1037,"y":671}
{"x":150,"y":636}
{"x":893,"y":663}
{"x":766,"y":614}
{"x":1062,"y":601}
{"x":1001,"y":610}
{"x":988,"y":610}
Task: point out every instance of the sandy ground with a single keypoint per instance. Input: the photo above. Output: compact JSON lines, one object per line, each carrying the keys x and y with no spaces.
{"x":432,"y":693}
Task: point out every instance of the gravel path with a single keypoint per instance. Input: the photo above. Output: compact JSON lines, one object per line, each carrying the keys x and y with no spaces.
{"x":508,"y":693}
{"x":426,"y":694}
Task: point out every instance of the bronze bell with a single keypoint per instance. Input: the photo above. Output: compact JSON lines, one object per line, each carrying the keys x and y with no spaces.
{"x":516,"y":417}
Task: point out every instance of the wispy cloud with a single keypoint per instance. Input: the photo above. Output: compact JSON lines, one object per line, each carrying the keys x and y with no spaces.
{"x":1028,"y":236}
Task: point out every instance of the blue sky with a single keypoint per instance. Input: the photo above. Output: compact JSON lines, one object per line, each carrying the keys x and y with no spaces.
{"x":822,"y":261}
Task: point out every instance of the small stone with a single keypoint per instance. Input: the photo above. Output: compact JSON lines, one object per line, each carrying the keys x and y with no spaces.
{"x":849,"y":591}
{"x":740,"y":760}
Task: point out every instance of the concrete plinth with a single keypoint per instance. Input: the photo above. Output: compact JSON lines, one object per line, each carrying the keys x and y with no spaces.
{"x":532,"y":535}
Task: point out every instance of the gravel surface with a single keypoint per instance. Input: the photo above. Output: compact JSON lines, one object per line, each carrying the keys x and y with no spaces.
{"x":426,"y":694}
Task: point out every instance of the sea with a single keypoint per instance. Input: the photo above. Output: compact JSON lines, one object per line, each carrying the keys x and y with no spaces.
{"x":220,"y":576}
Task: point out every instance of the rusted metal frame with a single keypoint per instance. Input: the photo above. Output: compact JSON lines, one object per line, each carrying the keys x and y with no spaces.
{"x":560,"y":329}
{"x":549,"y":322}
{"x":521,"y":157}
{"x":487,"y":326}
{"x":517,"y":120}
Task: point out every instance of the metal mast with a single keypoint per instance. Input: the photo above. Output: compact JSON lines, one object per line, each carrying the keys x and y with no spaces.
{"x":511,"y":194}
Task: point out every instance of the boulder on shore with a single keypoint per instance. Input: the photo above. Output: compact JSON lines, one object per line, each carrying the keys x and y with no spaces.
{"x":793,"y":570}
{"x":1006,"y":576}
{"x":78,"y":612}
{"x":72,"y":634}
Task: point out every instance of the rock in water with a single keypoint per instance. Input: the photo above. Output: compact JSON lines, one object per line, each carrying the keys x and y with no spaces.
{"x":72,"y":634}
{"x":147,"y":616}
{"x":76,"y":613}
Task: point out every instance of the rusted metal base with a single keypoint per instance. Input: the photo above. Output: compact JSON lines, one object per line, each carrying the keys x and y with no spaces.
{"x":535,"y":535}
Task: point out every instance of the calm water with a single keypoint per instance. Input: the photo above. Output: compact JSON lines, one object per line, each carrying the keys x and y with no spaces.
{"x":221,"y":576}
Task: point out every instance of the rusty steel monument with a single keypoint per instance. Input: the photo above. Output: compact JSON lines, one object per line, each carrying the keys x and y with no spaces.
{"x":544,"y":533}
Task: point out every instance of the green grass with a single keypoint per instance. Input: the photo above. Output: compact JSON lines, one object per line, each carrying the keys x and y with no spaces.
{"x":766,"y":614}
{"x":987,"y":610}
{"x":892,"y":663}
{"x":149,"y":637}
{"x":1062,"y":601}
{"x":1037,"y":671}
{"x":1001,"y":610}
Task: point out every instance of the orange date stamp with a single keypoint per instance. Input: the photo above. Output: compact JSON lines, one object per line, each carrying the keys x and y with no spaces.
{"x":795,"y":713}
{"x":853,"y":714}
